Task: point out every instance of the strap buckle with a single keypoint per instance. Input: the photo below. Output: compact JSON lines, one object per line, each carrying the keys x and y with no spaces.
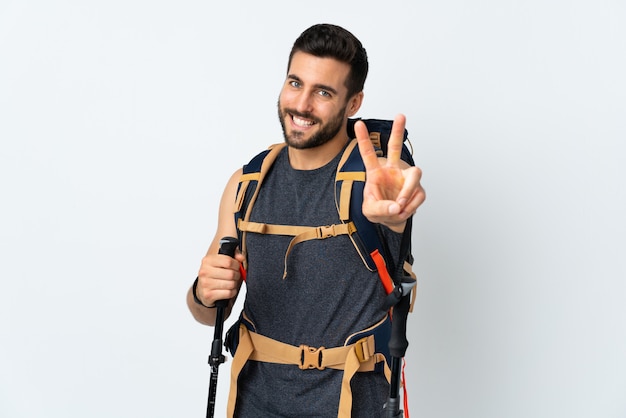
{"x":326,"y":231}
{"x":311,"y":358}
{"x":365,"y":348}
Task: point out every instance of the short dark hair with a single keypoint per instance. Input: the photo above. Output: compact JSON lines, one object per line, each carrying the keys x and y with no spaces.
{"x":331,"y":41}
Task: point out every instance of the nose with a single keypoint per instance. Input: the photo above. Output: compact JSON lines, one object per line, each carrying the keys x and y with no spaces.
{"x":303,"y":102}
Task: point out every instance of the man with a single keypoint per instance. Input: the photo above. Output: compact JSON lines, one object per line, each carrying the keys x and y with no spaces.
{"x":319,"y":292}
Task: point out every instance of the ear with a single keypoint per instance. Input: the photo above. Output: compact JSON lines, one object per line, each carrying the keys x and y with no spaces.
{"x":354,"y":104}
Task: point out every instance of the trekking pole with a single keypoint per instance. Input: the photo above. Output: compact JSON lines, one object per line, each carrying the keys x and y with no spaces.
{"x":400,"y":300}
{"x":398,"y":345}
{"x":228,"y":245}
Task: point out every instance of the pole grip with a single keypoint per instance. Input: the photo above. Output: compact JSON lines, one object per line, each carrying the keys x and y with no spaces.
{"x":398,"y":345}
{"x":228,"y":246}
{"x":398,"y":342}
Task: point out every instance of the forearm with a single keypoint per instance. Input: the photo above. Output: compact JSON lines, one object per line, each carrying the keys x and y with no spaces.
{"x":392,"y":239}
{"x":203,"y":314}
{"x":395,"y":227}
{"x":218,"y":280}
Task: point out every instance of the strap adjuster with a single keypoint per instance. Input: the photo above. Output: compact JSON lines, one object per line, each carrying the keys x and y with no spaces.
{"x":311,"y":358}
{"x":326,"y":231}
{"x":365,"y":349}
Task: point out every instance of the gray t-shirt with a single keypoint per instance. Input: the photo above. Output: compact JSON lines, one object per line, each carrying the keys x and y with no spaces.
{"x":327,"y":295}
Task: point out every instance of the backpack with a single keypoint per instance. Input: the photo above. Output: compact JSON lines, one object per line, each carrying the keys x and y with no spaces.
{"x":349,"y":183}
{"x":388,"y":336}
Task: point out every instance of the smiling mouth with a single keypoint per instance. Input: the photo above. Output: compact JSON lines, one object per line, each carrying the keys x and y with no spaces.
{"x":301,"y":122}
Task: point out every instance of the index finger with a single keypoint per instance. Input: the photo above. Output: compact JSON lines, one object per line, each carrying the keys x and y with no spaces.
{"x":396,"y":139}
{"x":366,"y":148}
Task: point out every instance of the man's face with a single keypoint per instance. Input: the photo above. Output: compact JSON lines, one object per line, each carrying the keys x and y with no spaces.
{"x":312,"y":103}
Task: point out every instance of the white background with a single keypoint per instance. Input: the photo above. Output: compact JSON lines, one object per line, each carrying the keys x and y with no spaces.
{"x":120,"y":122}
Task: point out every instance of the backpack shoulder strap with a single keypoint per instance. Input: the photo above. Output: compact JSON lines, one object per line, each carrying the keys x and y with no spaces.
{"x":249,"y":185}
{"x":349,"y":184}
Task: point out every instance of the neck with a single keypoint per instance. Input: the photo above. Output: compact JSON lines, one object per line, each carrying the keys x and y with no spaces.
{"x":313,"y":158}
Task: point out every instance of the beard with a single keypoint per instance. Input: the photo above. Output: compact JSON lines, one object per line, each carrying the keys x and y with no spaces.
{"x":326,"y":132}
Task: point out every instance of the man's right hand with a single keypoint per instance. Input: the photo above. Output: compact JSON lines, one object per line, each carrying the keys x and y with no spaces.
{"x":219,"y":278}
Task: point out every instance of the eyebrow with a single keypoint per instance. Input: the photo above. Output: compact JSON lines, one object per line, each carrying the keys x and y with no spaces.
{"x":317,"y":86}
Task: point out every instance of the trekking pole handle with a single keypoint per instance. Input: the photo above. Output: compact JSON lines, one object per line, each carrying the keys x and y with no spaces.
{"x":228,"y":246}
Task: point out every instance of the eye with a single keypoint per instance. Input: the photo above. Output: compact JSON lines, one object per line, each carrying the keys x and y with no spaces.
{"x":324,"y":93}
{"x":294,"y":84}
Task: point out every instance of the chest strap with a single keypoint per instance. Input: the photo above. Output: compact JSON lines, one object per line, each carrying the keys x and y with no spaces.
{"x":299,"y":233}
{"x":357,"y":357}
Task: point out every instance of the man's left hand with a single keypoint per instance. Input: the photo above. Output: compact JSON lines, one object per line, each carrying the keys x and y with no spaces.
{"x":392,"y":190}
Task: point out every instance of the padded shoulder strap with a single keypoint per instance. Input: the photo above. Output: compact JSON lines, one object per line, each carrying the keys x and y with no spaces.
{"x":350,"y":182}
{"x":249,"y":185}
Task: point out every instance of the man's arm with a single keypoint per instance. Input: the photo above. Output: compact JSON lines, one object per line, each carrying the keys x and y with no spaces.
{"x":218,"y":277}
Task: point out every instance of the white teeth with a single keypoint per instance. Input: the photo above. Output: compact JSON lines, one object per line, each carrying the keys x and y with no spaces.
{"x":302,"y":122}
